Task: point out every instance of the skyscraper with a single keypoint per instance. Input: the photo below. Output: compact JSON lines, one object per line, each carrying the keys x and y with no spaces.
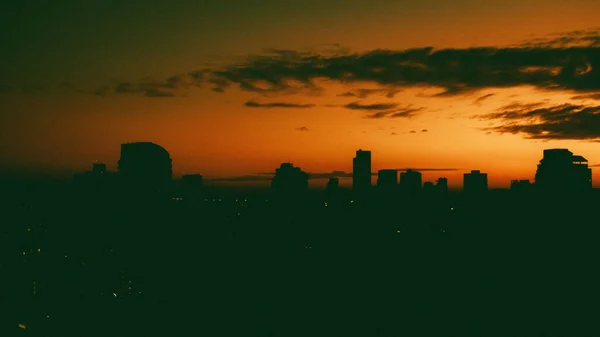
{"x":560,"y":171}
{"x":145,"y":166}
{"x":361,"y":172}
{"x":289,"y":181}
{"x":441,"y":186}
{"x":475,"y":183}
{"x":410,"y":182}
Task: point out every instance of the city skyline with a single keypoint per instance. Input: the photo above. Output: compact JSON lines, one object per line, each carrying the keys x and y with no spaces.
{"x":558,"y":169}
{"x":231,"y":94}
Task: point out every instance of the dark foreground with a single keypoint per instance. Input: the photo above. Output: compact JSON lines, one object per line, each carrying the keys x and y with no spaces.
{"x":491,"y":266}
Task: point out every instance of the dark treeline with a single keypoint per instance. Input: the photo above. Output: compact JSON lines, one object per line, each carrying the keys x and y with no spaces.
{"x":118,"y":264}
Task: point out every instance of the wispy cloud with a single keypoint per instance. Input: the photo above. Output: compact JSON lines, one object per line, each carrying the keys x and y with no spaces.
{"x":540,"y":121}
{"x":364,"y":93}
{"x":482,"y":98}
{"x":370,"y":107}
{"x":302,"y":129}
{"x":254,"y":104}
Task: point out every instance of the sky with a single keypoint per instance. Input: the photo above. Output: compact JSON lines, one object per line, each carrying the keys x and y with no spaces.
{"x":233,"y":88}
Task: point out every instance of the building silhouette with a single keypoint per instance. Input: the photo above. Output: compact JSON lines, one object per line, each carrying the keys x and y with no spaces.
{"x":561,"y":171}
{"x":475,"y":183}
{"x":289,"y":182}
{"x":410,"y":182}
{"x":387,"y":181}
{"x":441,"y":186}
{"x":361,"y":172}
{"x":99,"y":168}
{"x":333,"y":185}
{"x":145,"y":167}
{"x":520,"y":185}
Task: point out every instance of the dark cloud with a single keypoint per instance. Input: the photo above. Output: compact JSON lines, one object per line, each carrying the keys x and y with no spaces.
{"x":364,"y":93}
{"x":406,"y":112}
{"x":220,"y":90}
{"x":482,"y":98}
{"x":595,"y":96}
{"x":424,"y":130}
{"x":456,"y":71}
{"x":380,"y":114}
{"x":538,"y":121}
{"x":393,"y":134}
{"x":376,"y":106}
{"x":585,"y":38}
{"x":413,"y":131}
{"x":253,"y":104}
{"x":302,"y":128}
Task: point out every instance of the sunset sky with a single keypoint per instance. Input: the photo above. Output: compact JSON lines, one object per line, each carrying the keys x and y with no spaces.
{"x":232,"y":88}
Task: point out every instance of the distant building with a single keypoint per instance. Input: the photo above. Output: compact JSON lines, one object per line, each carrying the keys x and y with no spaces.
{"x":387,"y":180}
{"x":559,"y":170}
{"x":333,"y":184}
{"x":361,"y":172}
{"x":475,"y":183}
{"x":410,"y":182}
{"x":519,"y":185}
{"x":289,"y":182}
{"x":145,"y":166}
{"x":441,"y":186}
{"x":428,"y":189}
{"x":99,"y":168}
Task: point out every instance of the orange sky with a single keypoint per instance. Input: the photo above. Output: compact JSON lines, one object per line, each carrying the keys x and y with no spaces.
{"x":214,"y":134}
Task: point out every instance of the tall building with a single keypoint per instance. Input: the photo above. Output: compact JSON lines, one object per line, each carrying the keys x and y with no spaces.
{"x":410,"y":182}
{"x":475,"y":183}
{"x":441,"y":185}
{"x":289,"y":181}
{"x":145,"y":166}
{"x":387,"y":180}
{"x":361,"y":172}
{"x":560,"y":170}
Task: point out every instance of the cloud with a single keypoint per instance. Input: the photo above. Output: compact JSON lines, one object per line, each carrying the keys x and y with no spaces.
{"x":380,"y":114}
{"x":482,"y":98}
{"x":595,"y":96}
{"x":302,"y":129}
{"x":566,"y":61}
{"x":456,"y":71}
{"x":253,"y":104}
{"x":413,"y":131}
{"x":424,"y":130}
{"x":364,"y":93}
{"x":406,"y":112}
{"x":376,"y":106}
{"x":581,"y":38}
{"x":539,"y":121}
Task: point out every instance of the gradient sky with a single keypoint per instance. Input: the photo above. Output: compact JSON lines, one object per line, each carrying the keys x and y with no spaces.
{"x":235,"y":87}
